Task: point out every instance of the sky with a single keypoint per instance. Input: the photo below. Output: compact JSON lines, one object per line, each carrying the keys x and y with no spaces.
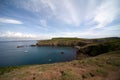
{"x":45,"y":19}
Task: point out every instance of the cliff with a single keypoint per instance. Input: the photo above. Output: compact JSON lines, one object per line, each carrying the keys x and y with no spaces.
{"x":88,"y":47}
{"x":63,"y":42}
{"x":74,"y":41}
{"x":99,"y":46}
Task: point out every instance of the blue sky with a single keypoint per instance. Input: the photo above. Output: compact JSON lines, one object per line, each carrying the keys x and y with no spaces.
{"x":44,"y":19}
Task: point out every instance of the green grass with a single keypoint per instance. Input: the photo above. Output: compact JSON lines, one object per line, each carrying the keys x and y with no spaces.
{"x":8,"y":69}
{"x":68,"y":38}
{"x":69,"y":75}
{"x":99,"y":72}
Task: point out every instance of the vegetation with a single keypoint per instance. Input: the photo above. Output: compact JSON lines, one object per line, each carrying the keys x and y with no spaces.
{"x":100,"y":46}
{"x":63,"y":42}
{"x":88,"y":47}
{"x":7,"y":69}
{"x":103,"y":65}
{"x":77,"y":41}
{"x":67,"y":39}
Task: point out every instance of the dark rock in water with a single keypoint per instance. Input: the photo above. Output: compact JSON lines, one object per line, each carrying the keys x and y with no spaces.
{"x":19,"y":46}
{"x":62,"y":52}
{"x":33,"y":45}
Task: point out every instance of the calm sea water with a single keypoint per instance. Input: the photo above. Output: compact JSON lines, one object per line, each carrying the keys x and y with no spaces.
{"x":10,"y":55}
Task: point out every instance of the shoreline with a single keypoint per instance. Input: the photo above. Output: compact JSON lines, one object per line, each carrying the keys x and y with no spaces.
{"x":99,"y":60}
{"x":101,"y":66}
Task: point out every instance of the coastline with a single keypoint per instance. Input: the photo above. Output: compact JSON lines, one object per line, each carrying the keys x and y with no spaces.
{"x":102,"y":67}
{"x":98,"y":59}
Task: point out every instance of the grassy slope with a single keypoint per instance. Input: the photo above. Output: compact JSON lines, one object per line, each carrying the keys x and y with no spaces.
{"x":62,"y":42}
{"x":102,"y":67}
{"x":74,"y":41}
{"x":100,"y":46}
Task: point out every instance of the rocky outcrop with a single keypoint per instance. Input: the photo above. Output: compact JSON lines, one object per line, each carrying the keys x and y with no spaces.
{"x":99,"y":48}
{"x":20,"y":46}
{"x":74,"y":41}
{"x":93,"y":49}
{"x":33,"y":45}
{"x":87,"y":47}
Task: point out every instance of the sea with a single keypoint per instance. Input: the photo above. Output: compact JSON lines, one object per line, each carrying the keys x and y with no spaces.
{"x":12,"y":55}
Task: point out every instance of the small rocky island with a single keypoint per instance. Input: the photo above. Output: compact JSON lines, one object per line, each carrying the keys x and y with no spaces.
{"x":33,"y":45}
{"x":20,"y":46}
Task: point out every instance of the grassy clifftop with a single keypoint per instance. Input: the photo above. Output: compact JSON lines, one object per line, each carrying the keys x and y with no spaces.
{"x":89,"y":47}
{"x":63,"y":42}
{"x":99,"y":46}
{"x":74,"y":41}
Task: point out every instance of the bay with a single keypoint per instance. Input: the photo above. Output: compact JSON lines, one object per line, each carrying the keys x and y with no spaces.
{"x":10,"y":55}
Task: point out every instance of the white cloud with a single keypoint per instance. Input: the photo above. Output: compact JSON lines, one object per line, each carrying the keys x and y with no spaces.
{"x":17,"y":35}
{"x":11,"y":21}
{"x":106,"y":13}
{"x":64,"y":10}
{"x":30,"y":5}
{"x":74,"y":12}
{"x":94,"y":33}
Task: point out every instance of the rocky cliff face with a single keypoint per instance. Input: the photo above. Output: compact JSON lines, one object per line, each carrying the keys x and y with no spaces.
{"x":95,"y":49}
{"x":89,"y":47}
{"x":62,"y":42}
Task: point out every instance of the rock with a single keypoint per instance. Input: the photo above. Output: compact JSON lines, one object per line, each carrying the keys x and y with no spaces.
{"x":33,"y":45}
{"x":62,"y":52}
{"x":19,"y":46}
{"x":62,"y":42}
{"x":94,"y":49}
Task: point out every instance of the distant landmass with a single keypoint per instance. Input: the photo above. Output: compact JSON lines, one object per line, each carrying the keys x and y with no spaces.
{"x":91,"y":47}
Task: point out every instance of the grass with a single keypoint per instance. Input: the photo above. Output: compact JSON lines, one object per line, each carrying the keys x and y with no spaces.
{"x":105,"y":66}
{"x":99,"y":72}
{"x":101,"y":67}
{"x":8,"y":69}
{"x":69,"y":75}
{"x":95,"y":72}
{"x":68,"y":38}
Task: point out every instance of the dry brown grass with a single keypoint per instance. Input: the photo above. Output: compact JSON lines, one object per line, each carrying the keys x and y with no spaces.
{"x":102,"y":67}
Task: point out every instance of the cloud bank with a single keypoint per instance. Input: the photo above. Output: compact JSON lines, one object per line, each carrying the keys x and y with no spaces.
{"x":10,"y":21}
{"x":17,"y":35}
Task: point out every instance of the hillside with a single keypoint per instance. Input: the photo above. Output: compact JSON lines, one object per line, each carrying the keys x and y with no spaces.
{"x":102,"y":67}
{"x":63,"y":42}
{"x":89,"y":47}
{"x":74,"y":41}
